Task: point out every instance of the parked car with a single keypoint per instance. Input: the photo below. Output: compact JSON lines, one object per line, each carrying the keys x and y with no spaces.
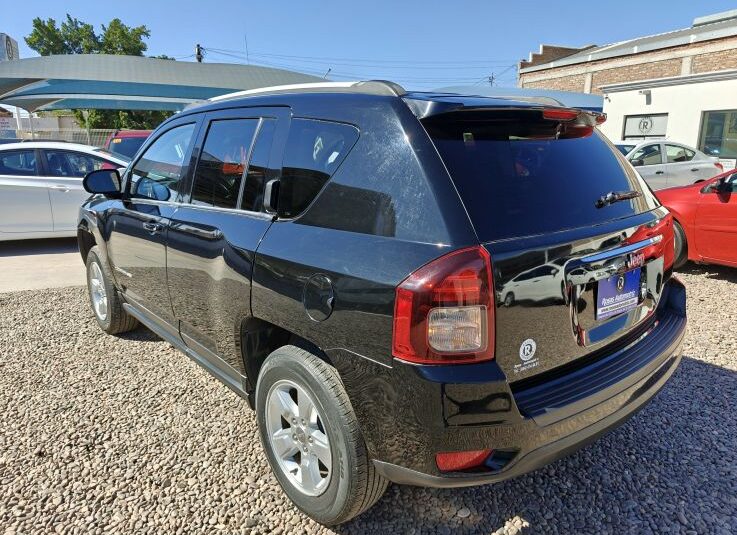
{"x":41,"y":187}
{"x":336,"y":254}
{"x":705,"y":220}
{"x":537,"y":284}
{"x":667,"y":164}
{"x":126,"y":142}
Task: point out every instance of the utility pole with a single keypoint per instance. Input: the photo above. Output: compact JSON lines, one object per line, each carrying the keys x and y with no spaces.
{"x":491,"y":79}
{"x":198,"y":53}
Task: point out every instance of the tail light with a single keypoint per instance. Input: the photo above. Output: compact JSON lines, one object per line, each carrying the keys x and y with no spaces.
{"x":444,"y":311}
{"x":719,"y":166}
{"x":560,"y":114}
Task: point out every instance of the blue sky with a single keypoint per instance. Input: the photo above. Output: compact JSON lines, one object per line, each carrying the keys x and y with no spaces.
{"x":420,"y":44}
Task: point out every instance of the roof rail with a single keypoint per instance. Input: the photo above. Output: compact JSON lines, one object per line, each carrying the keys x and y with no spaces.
{"x":372,"y":87}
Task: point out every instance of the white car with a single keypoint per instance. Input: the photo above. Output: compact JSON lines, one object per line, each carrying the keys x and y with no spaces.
{"x":666,"y":164}
{"x":41,"y":186}
{"x":538,"y":284}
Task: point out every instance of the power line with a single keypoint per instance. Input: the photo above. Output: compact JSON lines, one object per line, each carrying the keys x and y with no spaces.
{"x":377,"y":63}
{"x":387,"y":61}
{"x":351,"y":75}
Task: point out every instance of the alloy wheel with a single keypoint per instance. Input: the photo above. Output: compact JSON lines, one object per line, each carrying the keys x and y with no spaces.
{"x":297,"y":437}
{"x":98,"y":292}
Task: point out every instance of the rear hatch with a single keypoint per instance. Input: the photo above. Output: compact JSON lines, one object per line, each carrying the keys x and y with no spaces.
{"x":580,"y":247}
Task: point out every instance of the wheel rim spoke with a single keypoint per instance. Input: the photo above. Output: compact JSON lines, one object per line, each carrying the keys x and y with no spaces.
{"x":284,"y":445}
{"x":307,"y":410}
{"x":321,"y":448}
{"x":310,"y":472}
{"x":287,"y":408}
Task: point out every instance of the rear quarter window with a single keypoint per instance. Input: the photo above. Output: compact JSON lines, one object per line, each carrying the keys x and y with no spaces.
{"x":314,"y":151}
{"x":517,"y":179}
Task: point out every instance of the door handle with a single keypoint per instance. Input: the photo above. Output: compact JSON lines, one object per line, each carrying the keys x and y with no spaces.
{"x":659,"y":172}
{"x":153,"y":228}
{"x":695,"y":169}
{"x":214,"y":234}
{"x":61,"y":188}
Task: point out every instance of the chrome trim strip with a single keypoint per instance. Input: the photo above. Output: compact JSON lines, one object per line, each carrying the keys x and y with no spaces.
{"x":598,"y":257}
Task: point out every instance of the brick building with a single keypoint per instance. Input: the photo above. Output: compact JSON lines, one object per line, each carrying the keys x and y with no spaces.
{"x":710,"y":44}
{"x":680,"y":85}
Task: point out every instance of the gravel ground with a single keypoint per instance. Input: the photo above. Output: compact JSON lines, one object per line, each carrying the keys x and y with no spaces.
{"x":119,"y":435}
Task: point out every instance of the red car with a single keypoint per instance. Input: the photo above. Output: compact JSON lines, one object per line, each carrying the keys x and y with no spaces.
{"x":705,"y":220}
{"x":126,"y":142}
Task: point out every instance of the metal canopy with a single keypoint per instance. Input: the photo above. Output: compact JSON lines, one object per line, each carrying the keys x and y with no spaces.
{"x":102,"y":81}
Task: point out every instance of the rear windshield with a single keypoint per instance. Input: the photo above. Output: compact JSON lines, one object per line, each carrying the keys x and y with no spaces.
{"x":126,"y":146}
{"x":517,"y":178}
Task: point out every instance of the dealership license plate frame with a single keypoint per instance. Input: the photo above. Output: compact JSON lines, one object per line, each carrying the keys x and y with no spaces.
{"x":608,"y":301}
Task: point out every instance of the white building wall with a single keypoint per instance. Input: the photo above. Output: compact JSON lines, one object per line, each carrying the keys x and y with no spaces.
{"x":684,"y":104}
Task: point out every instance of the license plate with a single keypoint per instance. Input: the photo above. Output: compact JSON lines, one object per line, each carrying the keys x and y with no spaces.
{"x":618,"y":294}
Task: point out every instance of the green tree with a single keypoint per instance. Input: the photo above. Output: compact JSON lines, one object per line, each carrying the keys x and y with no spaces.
{"x":73,"y":37}
{"x":76,"y":37}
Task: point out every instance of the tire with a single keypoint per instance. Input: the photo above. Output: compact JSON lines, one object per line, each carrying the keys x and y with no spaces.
{"x":681,"y":246}
{"x":509,"y":300}
{"x":350,"y":484}
{"x":115,"y":319}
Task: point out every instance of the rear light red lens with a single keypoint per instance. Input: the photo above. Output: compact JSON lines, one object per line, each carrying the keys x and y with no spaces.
{"x":444,"y":311}
{"x":454,"y":461}
{"x":560,"y":115}
{"x":719,"y":166}
{"x":600,"y":118}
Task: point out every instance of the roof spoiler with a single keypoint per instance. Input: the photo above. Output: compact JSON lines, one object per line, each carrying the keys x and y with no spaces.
{"x":551,"y":108}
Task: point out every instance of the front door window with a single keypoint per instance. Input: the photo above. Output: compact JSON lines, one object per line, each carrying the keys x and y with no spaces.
{"x":158,"y":172}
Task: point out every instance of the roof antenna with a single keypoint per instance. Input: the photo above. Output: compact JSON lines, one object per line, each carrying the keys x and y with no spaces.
{"x":245,"y":38}
{"x":328,"y":72}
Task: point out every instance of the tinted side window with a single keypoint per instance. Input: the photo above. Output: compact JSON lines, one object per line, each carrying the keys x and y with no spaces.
{"x":18,"y":163}
{"x":676,"y":153}
{"x":253,"y":193}
{"x":158,"y":172}
{"x":62,"y":163}
{"x":314,"y":150}
{"x":649,"y":154}
{"x":223,"y":162}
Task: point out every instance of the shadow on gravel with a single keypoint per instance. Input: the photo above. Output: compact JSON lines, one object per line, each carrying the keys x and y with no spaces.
{"x":724,"y":273}
{"x":36,"y":247}
{"x":672,"y":468}
{"x":140,"y":334}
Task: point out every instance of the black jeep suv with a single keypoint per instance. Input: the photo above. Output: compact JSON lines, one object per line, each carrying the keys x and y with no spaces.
{"x":429,"y":289}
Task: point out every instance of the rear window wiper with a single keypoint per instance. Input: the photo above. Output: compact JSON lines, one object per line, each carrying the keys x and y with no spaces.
{"x":616,"y":196}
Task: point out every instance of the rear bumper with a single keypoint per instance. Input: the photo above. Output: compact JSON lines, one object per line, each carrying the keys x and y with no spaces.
{"x":636,"y":397}
{"x":535,"y":426}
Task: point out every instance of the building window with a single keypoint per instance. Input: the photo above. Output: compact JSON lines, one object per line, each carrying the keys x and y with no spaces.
{"x":719,"y":133}
{"x":645,"y":126}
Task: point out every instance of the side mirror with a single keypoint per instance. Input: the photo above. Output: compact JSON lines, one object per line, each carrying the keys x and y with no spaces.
{"x":637,"y":163}
{"x":718,"y":186}
{"x":722,"y":186}
{"x":150,"y":189}
{"x":271,"y":196}
{"x":103,"y":181}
